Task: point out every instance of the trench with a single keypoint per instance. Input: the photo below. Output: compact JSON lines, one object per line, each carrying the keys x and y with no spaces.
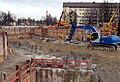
{"x":56,"y":74}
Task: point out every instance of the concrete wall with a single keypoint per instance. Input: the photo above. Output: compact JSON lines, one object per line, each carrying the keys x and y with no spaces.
{"x":61,"y":75}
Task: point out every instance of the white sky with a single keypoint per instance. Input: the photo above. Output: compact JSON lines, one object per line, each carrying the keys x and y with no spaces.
{"x":37,"y":8}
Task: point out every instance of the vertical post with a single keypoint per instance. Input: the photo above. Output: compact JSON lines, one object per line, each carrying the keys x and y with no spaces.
{"x":56,"y":75}
{"x":40,"y":73}
{"x":62,"y":72}
{"x":27,"y":61}
{"x":51,"y":74}
{"x":46,"y":75}
{"x":30,"y":68}
{"x":18,"y":74}
{"x":30,"y":72}
{"x":69,"y":76}
{"x":3,"y":76}
{"x":65,"y":63}
{"x":73,"y":76}
{"x":3,"y":36}
{"x":64,"y":76}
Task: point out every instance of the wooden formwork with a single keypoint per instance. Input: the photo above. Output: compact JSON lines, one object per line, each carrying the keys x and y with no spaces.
{"x":16,"y":31}
{"x":20,"y":32}
{"x":19,"y":29}
{"x":3,"y":46}
{"x":65,"y":32}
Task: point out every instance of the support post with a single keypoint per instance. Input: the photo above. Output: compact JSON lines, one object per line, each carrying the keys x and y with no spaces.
{"x":18,"y":74}
{"x":3,"y":74}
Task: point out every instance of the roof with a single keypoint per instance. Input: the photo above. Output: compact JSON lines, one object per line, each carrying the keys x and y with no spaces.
{"x":87,"y":5}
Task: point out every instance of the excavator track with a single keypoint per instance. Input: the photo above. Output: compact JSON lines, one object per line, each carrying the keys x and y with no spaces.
{"x":102,"y":47}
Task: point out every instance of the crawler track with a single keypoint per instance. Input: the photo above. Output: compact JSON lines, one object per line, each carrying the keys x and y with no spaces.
{"x":102,"y":47}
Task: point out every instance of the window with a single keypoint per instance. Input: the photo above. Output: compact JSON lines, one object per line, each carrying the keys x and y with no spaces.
{"x":94,"y":36}
{"x":75,"y":10}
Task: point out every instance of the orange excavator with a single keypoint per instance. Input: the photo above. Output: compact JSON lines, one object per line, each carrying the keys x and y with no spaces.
{"x":60,"y":25}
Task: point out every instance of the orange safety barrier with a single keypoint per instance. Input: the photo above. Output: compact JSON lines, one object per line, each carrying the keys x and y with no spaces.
{"x":25,"y":65}
{"x":14,"y":79}
{"x":25,"y":76}
{"x":71,"y":63}
{"x":44,"y":61}
{"x":23,"y":73}
{"x":61,"y":62}
{"x":33,"y":74}
{"x":11,"y":75}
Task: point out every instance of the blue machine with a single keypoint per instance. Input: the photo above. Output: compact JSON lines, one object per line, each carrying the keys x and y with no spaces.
{"x":106,"y":42}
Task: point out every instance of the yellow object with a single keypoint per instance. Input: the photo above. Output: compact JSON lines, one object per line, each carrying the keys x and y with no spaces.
{"x":61,"y":36}
{"x":113,"y":16}
{"x":60,"y":23}
{"x":49,"y":26}
{"x":88,"y":35}
{"x":108,"y":34}
{"x":106,"y":29}
{"x":102,"y":34}
{"x":115,"y":27}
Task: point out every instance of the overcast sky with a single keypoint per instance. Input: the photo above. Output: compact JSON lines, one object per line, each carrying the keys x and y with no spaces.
{"x":37,"y":8}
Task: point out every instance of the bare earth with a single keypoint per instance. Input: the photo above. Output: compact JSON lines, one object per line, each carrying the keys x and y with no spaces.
{"x":108,"y":63}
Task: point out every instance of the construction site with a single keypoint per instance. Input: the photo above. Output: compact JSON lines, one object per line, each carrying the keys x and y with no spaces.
{"x":62,"y":52}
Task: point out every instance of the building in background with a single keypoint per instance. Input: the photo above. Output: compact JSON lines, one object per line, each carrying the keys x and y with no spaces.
{"x":89,"y":13}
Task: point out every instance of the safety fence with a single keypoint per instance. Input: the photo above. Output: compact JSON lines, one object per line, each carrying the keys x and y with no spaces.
{"x":64,"y":63}
{"x":27,"y":72}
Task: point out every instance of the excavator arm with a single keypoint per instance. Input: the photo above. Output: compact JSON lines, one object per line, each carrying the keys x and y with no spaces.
{"x":86,"y":27}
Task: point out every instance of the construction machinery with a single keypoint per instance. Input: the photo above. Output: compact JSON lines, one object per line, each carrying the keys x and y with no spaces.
{"x":106,"y":30}
{"x":109,"y":43}
{"x":61,"y":24}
